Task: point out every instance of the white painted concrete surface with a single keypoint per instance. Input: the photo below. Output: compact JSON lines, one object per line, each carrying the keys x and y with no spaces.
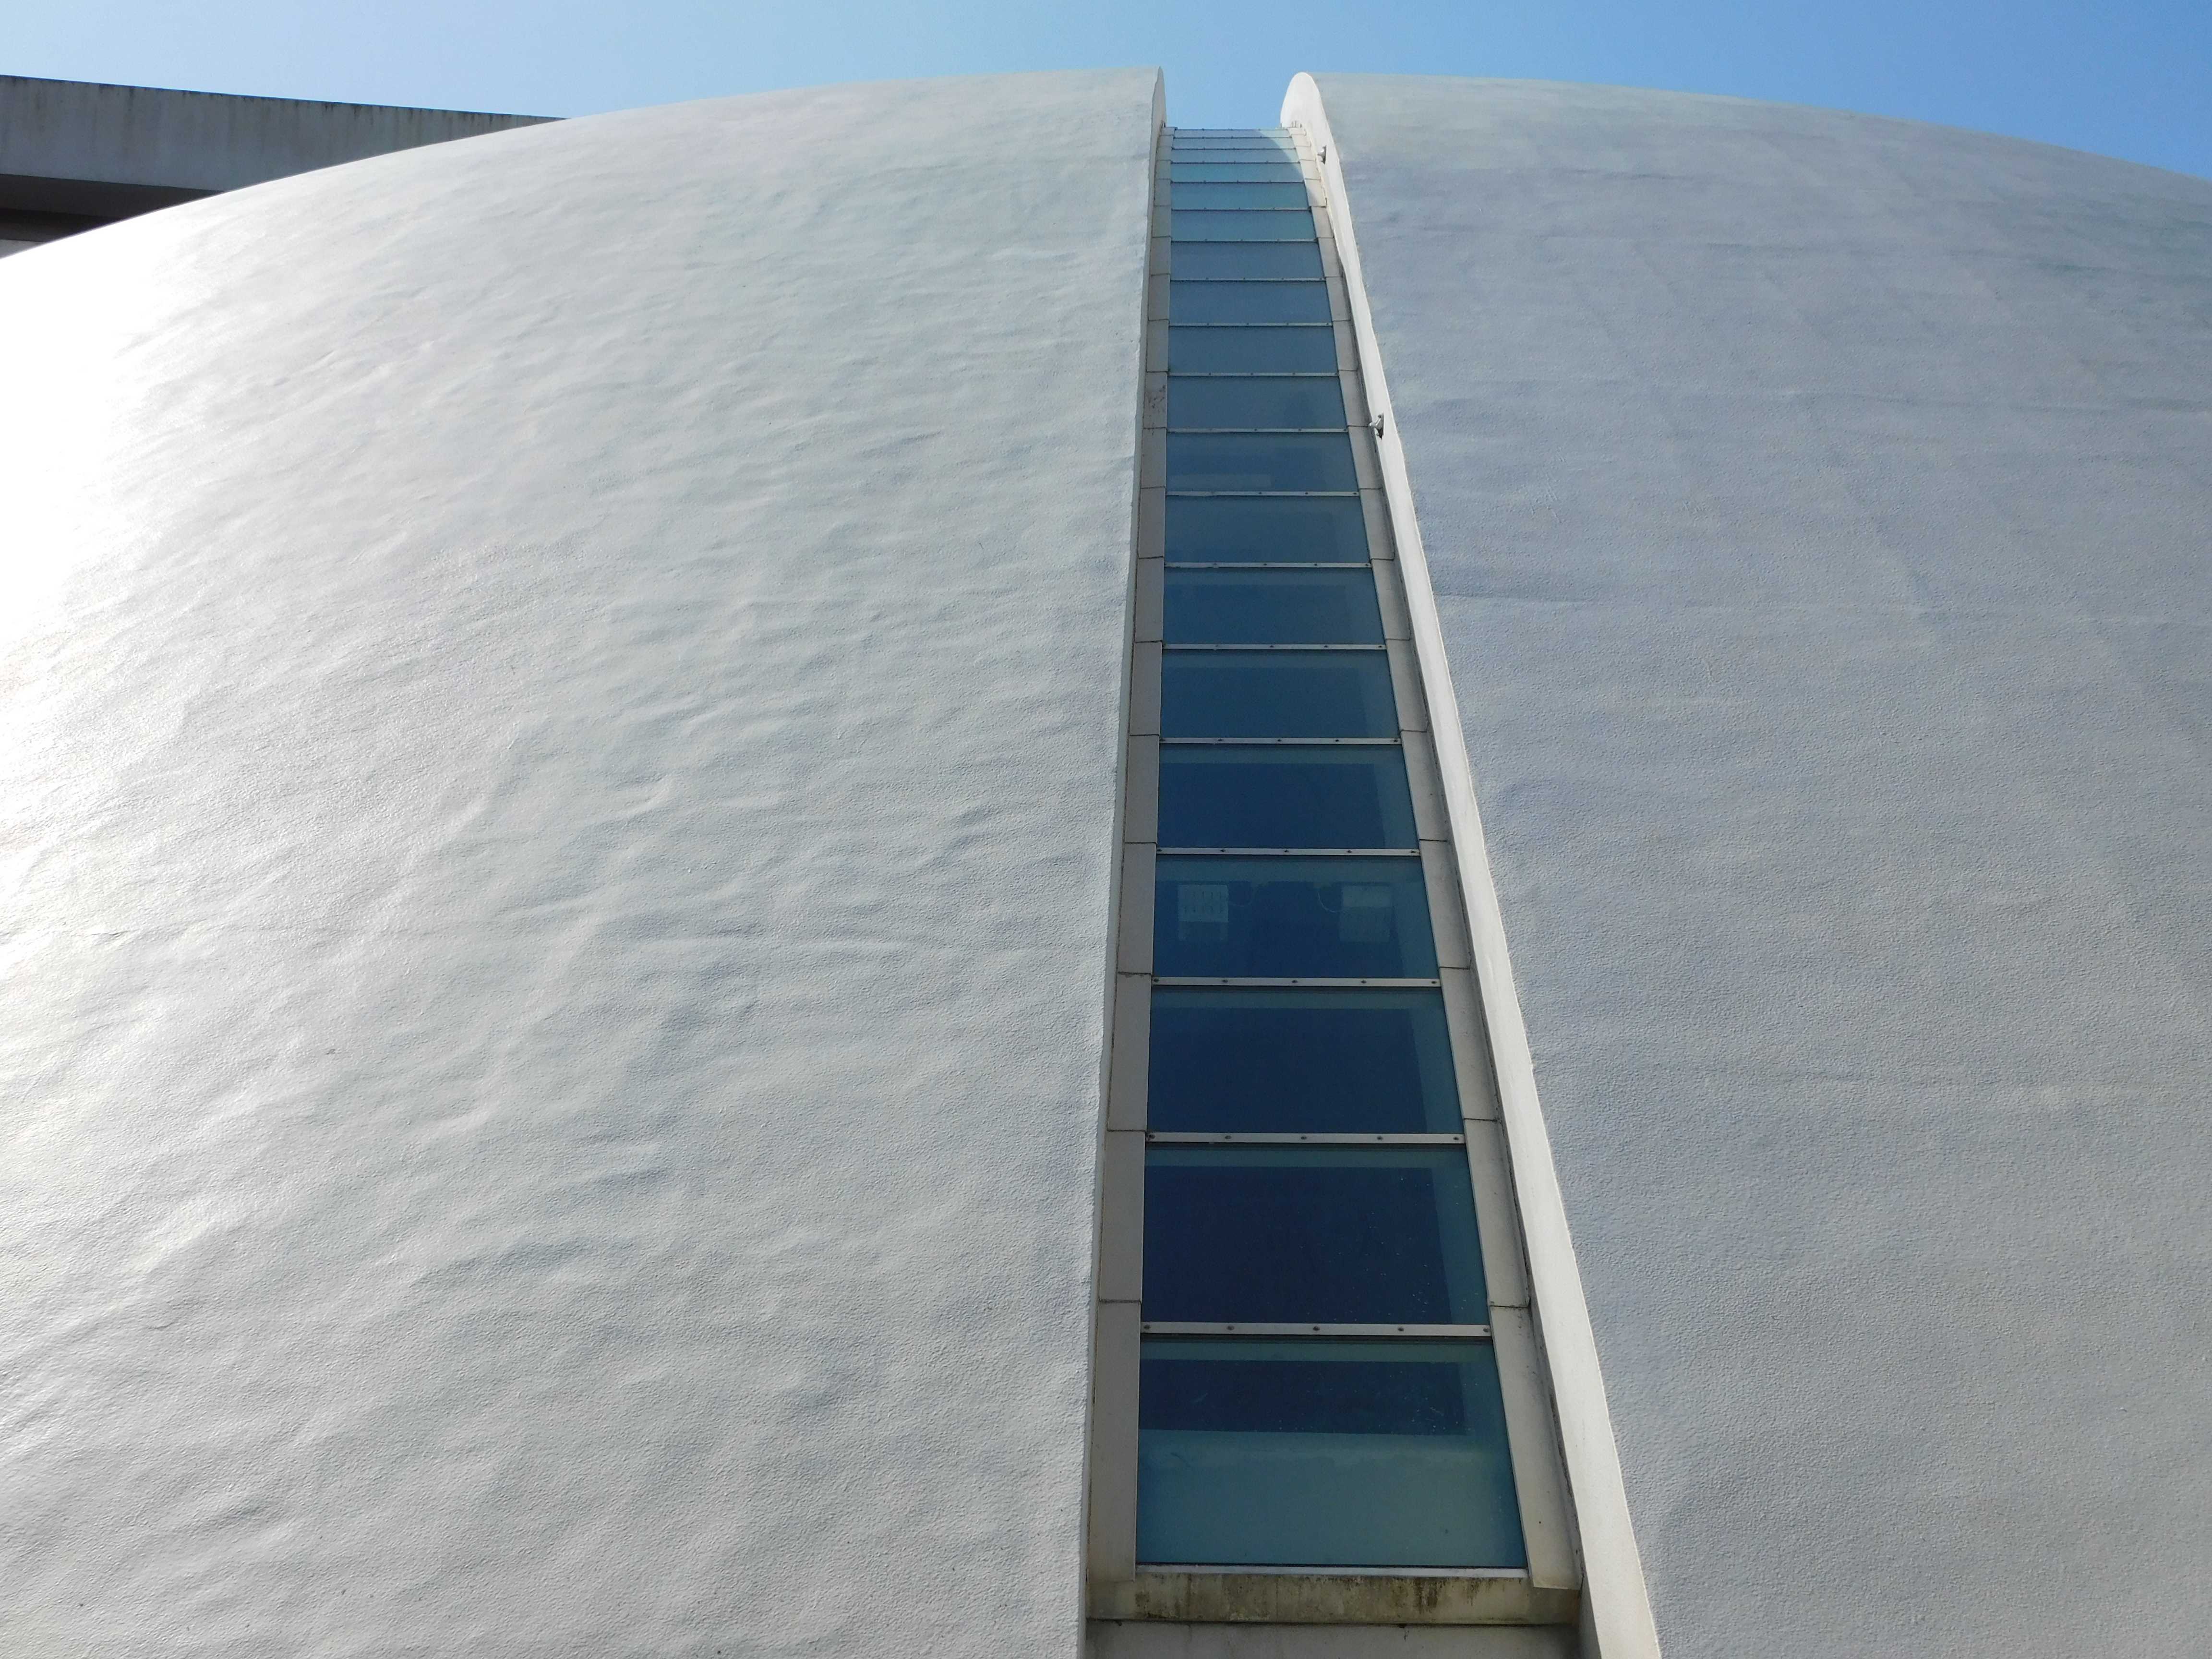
{"x":561,"y":705}
{"x":1817,"y":508}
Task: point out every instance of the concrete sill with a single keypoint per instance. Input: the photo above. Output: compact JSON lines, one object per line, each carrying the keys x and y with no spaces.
{"x":1277,"y":1598}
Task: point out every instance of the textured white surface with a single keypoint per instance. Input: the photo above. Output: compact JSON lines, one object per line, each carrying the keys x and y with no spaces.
{"x":559,"y":775}
{"x":1817,"y":508}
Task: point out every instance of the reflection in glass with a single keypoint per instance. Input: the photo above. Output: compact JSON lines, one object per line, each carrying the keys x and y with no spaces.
{"x":1299,"y":1061}
{"x":1284,"y":795}
{"x":1318,"y":531}
{"x":1264,"y":226}
{"x":1237,"y":403}
{"x":1291,"y":918}
{"x":1235,"y":303}
{"x":1266,"y":461}
{"x":1323,"y":1454}
{"x":1209,"y":194}
{"x":1297,"y":350}
{"x":1276,"y":694}
{"x":1330,"y":1235}
{"x":1247,"y":261}
{"x":1272,"y":607}
{"x":1236,"y":168}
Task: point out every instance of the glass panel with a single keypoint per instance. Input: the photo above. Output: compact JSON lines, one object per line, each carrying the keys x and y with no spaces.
{"x":1237,"y":403}
{"x":1284,"y":460}
{"x":1185,"y":225}
{"x":1323,"y":1454}
{"x":1247,"y":302}
{"x":1285,"y":796}
{"x":1246,"y":262}
{"x":1255,"y":149}
{"x":1329,"y":1234}
{"x":1272,"y":607}
{"x":1252,"y":350}
{"x":1314,"y":531}
{"x":1234,"y":169}
{"x":1277,"y":694}
{"x":1300,"y":1062}
{"x":1194,"y":194}
{"x":1290,"y":918}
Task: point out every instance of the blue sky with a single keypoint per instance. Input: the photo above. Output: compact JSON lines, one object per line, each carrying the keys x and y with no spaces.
{"x":2126,"y":77}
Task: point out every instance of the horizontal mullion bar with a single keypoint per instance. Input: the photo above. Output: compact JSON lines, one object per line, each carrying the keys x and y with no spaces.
{"x":1268,"y":494}
{"x":1289,"y":853}
{"x":1177,"y":645}
{"x":1271,"y":564}
{"x":1194,"y":743}
{"x":1249,"y":983}
{"x":1202,"y":1138}
{"x":1414,"y":1333}
{"x":1239,"y":431}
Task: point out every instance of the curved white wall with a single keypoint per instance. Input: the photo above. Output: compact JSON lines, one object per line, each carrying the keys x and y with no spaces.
{"x":559,"y":775}
{"x":1816,"y":509}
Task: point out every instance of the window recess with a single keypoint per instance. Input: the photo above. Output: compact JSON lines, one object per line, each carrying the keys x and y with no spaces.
{"x":1314,"y":1348}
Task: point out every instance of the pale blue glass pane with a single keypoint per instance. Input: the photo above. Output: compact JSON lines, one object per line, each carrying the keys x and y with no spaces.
{"x":1234,"y":303}
{"x":1247,"y":261}
{"x":1271,"y":461}
{"x":1230,"y":532}
{"x":1243,"y":402}
{"x":1235,"y":169}
{"x":1252,"y":350}
{"x":1277,"y":694}
{"x":1325,"y":1235}
{"x":1323,"y":1454}
{"x":1261,"y":226}
{"x":1287,"y":193}
{"x":1234,"y":1062}
{"x":1272,"y":607}
{"x":1284,"y":795}
{"x":1291,"y":918}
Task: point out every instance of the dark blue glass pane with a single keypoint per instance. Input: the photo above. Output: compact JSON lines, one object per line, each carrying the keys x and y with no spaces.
{"x":1272,"y":607}
{"x":1291,"y":918}
{"x":1276,"y":694}
{"x":1260,"y":226}
{"x":1237,"y":303}
{"x":1252,"y":350}
{"x":1300,"y":1062}
{"x":1264,"y":461}
{"x":1234,"y":402}
{"x":1190,"y":194}
{"x":1323,"y":1454}
{"x":1332,"y":1234}
{"x":1319,"y":531}
{"x":1247,"y":261}
{"x":1281,"y":796}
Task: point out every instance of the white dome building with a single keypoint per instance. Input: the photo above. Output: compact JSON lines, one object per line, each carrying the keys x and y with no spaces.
{"x":614,"y":733}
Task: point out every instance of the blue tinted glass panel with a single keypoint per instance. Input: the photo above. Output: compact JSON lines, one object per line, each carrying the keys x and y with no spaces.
{"x":1252,"y":350}
{"x":1235,"y":169}
{"x":1314,"y":532}
{"x":1258,"y":227}
{"x":1284,"y":795}
{"x":1329,"y":1234}
{"x":1272,"y":607}
{"x":1277,"y":694}
{"x":1235,"y":303}
{"x":1291,"y":918}
{"x":1194,"y":194}
{"x":1243,"y":403}
{"x":1232,"y":1061}
{"x":1323,"y":1454}
{"x":1247,"y":261}
{"x":1269,"y":461}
